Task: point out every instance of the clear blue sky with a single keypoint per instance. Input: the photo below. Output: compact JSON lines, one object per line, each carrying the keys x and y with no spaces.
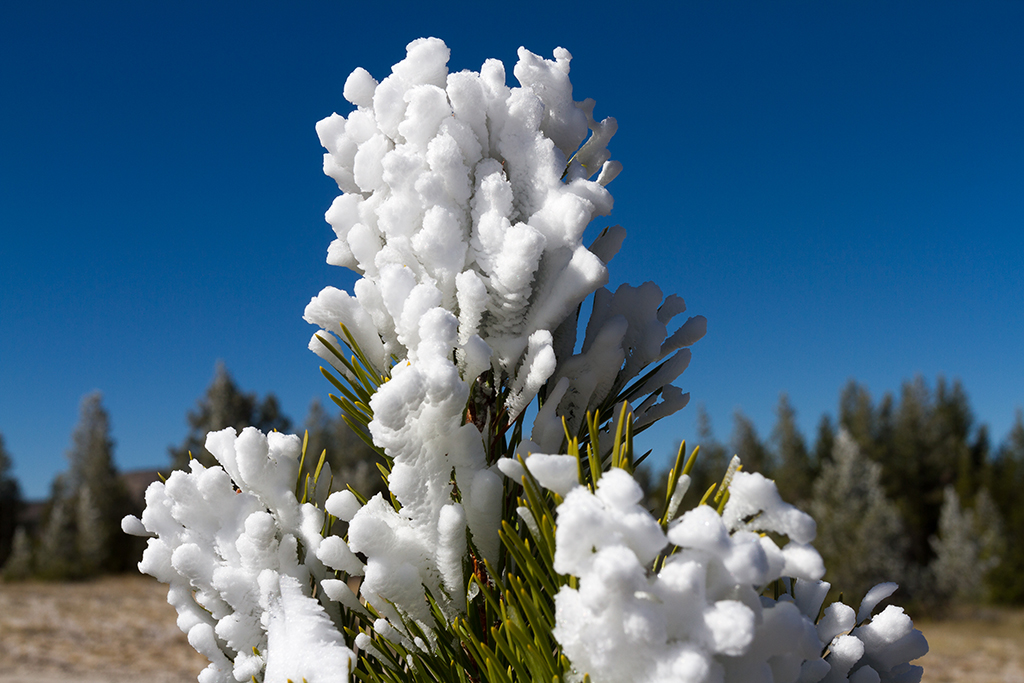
{"x":838,"y":187}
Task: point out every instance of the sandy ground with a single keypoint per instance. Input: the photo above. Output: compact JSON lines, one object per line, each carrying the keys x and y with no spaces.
{"x":114,"y":630}
{"x":984,"y":647}
{"x":121,"y":630}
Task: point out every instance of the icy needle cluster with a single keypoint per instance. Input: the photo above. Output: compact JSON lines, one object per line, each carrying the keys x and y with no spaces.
{"x":463,"y":209}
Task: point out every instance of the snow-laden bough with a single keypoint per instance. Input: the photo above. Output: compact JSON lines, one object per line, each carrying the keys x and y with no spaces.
{"x":463,"y":210}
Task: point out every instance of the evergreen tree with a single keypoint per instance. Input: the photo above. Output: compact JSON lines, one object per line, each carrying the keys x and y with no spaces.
{"x":1005,"y":479}
{"x":824,"y":441}
{"x":931,"y":445}
{"x":81,"y":530}
{"x":796,"y":472}
{"x":99,"y":497}
{"x":860,"y":535}
{"x":353,"y":463}
{"x":881,"y":450}
{"x":975,"y":477}
{"x":80,"y":533}
{"x":991,"y":531}
{"x":907,"y":480}
{"x":857,"y":415}
{"x":225,"y":405}
{"x":10,"y":503}
{"x":950,"y":430}
{"x":966,"y":548}
{"x":748,"y":445}
{"x":56,"y":553}
{"x":92,"y":534}
{"x":91,"y":457}
{"x":712,"y":461}
{"x":19,"y":564}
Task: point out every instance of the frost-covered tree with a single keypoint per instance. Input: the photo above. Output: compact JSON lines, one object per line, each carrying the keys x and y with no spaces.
{"x":20,"y":563}
{"x":225,"y":405}
{"x":510,"y":544}
{"x":80,"y":535}
{"x":967,"y":548}
{"x":860,"y":535}
{"x":95,"y":492}
{"x":57,"y":550}
{"x":10,"y":503}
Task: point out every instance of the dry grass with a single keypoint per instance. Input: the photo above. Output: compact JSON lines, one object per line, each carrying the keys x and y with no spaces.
{"x":985,"y":646}
{"x":121,"y":630}
{"x":112,"y":630}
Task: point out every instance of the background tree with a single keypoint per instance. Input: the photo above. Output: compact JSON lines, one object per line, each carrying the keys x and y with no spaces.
{"x":931,"y":445}
{"x":967,"y":548}
{"x":99,"y":497}
{"x":857,"y":415}
{"x":225,"y":405}
{"x":795,"y":471}
{"x":712,"y":461}
{"x":56,"y":553}
{"x":81,"y":531}
{"x":860,"y":535}
{"x":1004,"y":477}
{"x":10,"y":503}
{"x":352,"y":461}
{"x":748,"y":445}
{"x":20,"y":563}
{"x":824,"y":441}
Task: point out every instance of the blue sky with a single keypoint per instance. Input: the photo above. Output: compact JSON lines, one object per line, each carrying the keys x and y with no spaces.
{"x":838,"y":187}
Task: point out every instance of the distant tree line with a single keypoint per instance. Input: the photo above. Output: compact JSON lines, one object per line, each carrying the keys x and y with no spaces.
{"x":909,"y":487}
{"x":76,"y":533}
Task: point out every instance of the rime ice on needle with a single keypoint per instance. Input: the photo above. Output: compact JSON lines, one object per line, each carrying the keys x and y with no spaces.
{"x":464,"y":203}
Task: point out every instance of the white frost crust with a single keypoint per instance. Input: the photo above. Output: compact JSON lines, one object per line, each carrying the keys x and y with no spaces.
{"x":558,"y":473}
{"x":302,"y":641}
{"x":464,"y":215}
{"x":698,"y":618}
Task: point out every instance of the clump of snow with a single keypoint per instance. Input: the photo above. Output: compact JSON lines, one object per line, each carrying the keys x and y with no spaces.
{"x":699,"y":617}
{"x":558,"y":473}
{"x":702,"y":615}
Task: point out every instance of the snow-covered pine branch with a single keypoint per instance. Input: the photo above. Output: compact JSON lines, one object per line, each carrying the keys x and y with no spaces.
{"x":510,"y":545}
